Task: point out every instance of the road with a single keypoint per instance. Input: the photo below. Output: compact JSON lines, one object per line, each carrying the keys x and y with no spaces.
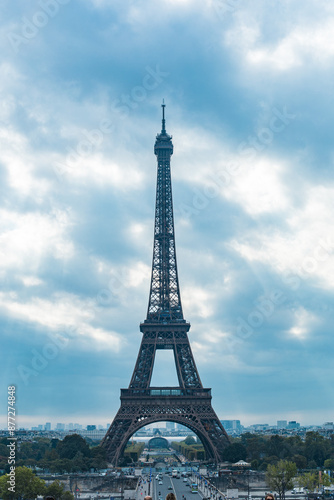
{"x":180,"y":488}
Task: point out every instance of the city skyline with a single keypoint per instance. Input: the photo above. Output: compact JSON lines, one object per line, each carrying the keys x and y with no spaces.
{"x":28,"y":424}
{"x":249,"y":110}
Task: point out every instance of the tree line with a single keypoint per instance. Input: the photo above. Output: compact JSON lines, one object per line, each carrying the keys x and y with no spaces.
{"x":261,"y":451}
{"x":189,"y":448}
{"x":72,"y":454}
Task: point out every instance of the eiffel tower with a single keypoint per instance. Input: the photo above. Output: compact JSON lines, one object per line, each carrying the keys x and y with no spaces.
{"x":188,"y":404}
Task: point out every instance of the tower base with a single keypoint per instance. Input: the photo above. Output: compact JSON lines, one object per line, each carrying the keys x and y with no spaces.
{"x":189,"y":407}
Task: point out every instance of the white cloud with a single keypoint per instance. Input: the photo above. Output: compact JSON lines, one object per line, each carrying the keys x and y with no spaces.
{"x":304,"y":321}
{"x":294,"y":45}
{"x":258,"y":187}
{"x":96,"y":168}
{"x":27,"y":238}
{"x":305,"y":247}
{"x":120,"y":279}
{"x":251,"y":178}
{"x":20,"y":163}
{"x":31,"y":281}
{"x":296,"y":49}
{"x":197,"y":301}
{"x":213,"y":350}
{"x":64,"y":313}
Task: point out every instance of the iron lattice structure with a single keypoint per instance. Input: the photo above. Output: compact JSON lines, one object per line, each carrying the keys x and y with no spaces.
{"x":165,"y":328}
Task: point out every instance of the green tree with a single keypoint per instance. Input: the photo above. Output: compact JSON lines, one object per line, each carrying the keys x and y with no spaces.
{"x":190,"y":440}
{"x":325,"y":480}
{"x":294,"y":445}
{"x":71,"y":445}
{"x":329,"y":463}
{"x":4,"y":450}
{"x":51,"y":454}
{"x":273,"y":459}
{"x":55,"y":489}
{"x":61,"y":466}
{"x":317,"y":448}
{"x":99,"y":458}
{"x":124,"y":461}
{"x":276,"y":446}
{"x":27,"y":485}
{"x":255,"y":445}
{"x":279,"y":477}
{"x":54,"y":442}
{"x":235,"y":452}
{"x":67,"y":495}
{"x":309,"y":481}
{"x":300,"y":461}
{"x":79,"y":463}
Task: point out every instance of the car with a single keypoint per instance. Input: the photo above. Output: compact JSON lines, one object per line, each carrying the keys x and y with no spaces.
{"x":170,"y":487}
{"x":160,"y":482}
{"x":185,"y":480}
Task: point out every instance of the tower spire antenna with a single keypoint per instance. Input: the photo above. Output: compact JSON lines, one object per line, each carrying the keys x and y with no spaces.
{"x":163,"y":105}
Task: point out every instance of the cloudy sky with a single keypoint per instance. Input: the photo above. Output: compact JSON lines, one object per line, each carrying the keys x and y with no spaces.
{"x":249,"y":94}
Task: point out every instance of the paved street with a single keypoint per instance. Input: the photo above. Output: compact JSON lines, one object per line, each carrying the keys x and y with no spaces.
{"x":180,"y":488}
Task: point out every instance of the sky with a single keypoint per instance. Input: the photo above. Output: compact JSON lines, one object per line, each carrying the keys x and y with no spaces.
{"x":248,"y":88}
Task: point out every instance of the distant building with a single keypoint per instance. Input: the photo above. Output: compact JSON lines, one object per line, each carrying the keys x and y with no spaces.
{"x":293,"y":425}
{"x":91,"y":427}
{"x":158,"y":442}
{"x":282,"y":424}
{"x":47,"y":426}
{"x":141,"y":433}
{"x":170,"y":426}
{"x":328,"y":425}
{"x":181,"y":427}
{"x":38,"y":428}
{"x":77,"y":427}
{"x":60,"y":427}
{"x":231,"y":426}
{"x":93,"y":434}
{"x":259,"y":427}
